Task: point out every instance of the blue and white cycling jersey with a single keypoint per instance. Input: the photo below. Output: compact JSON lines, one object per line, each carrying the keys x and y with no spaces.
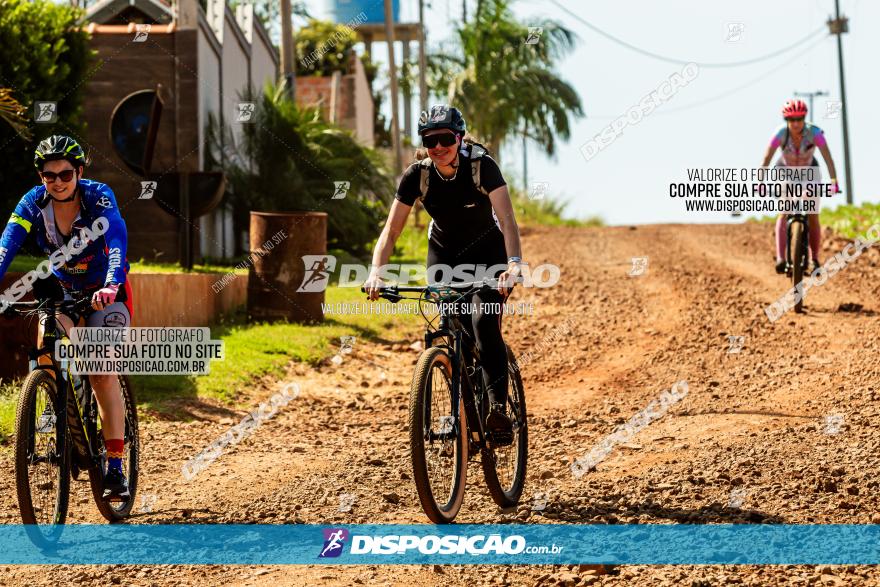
{"x":102,"y":261}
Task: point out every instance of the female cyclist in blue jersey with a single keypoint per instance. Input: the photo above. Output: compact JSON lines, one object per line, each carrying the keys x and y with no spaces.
{"x":471,"y":225}
{"x":60,"y":214}
{"x":798,"y":140}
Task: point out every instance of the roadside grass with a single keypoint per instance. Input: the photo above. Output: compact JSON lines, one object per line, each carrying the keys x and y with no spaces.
{"x":847,"y":220}
{"x":8,"y":402}
{"x":851,"y":221}
{"x":24,"y":263}
{"x":546,"y":212}
{"x":255,"y":351}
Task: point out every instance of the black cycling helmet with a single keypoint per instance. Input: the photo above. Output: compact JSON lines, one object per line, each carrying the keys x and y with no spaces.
{"x":441,"y":116}
{"x":58,"y":147}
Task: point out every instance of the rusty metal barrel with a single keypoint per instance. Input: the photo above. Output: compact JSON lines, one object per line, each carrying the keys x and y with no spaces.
{"x":288,"y":266}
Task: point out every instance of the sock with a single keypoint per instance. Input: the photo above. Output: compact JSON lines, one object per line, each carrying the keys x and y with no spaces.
{"x":115,"y":448}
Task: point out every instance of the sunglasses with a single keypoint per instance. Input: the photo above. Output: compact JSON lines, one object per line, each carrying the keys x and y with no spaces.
{"x":799,"y":119}
{"x":446,"y":139}
{"x":65,"y":176}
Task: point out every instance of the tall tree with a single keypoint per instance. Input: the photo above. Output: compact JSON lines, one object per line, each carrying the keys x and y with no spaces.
{"x":503,"y":83}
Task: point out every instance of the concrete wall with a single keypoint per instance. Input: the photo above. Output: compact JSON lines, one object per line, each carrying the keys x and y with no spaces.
{"x":363,"y":105}
{"x":129,"y":67}
{"x":264,"y":61}
{"x":170,"y":299}
{"x":236,"y":80}
{"x":246,"y":59}
{"x":354,"y":103}
{"x":215,"y":66}
{"x":209,"y":79}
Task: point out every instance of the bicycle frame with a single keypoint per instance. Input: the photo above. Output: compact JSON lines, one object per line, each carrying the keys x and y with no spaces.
{"x":469,"y":396}
{"x":451,"y":329}
{"x":67,"y":401}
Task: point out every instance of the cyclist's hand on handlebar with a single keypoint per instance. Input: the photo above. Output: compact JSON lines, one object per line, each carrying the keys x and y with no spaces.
{"x":105,"y":296}
{"x":508,"y":279}
{"x":372,"y":286}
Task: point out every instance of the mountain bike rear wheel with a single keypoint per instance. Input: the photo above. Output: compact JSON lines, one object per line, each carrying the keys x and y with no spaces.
{"x":438,"y":443}
{"x":114,"y":511}
{"x":505,"y":466}
{"x":42,"y":457}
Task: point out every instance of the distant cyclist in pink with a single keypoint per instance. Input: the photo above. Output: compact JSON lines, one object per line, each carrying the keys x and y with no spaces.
{"x":798,"y":141}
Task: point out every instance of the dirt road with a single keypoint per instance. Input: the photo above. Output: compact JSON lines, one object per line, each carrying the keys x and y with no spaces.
{"x":782,"y":431}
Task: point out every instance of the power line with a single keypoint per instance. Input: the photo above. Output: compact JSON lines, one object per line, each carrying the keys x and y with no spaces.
{"x":647,"y":53}
{"x":750,"y":83}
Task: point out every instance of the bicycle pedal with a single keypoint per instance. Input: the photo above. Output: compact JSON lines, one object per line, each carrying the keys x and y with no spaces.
{"x":116,"y":499}
{"x":500,"y":440}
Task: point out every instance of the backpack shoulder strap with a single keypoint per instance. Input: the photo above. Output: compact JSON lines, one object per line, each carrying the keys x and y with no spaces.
{"x":424,"y":175}
{"x":476,"y":153}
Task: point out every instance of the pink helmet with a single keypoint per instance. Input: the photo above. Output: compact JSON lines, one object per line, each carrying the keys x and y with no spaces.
{"x":794,"y":109}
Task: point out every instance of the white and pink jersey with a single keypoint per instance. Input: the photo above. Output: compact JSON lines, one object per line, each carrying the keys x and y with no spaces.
{"x":802,"y":156}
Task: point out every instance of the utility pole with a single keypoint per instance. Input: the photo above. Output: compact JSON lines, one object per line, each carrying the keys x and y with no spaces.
{"x":287,"y":68}
{"x":392,"y":72}
{"x":525,"y":161}
{"x":423,"y":60}
{"x":838,"y":26}
{"x":809,"y":96}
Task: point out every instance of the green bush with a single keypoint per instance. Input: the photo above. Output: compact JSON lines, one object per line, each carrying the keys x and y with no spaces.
{"x":323,"y":47}
{"x":46,"y":58}
{"x":851,"y":221}
{"x":290,"y":159}
{"x":545,"y":211}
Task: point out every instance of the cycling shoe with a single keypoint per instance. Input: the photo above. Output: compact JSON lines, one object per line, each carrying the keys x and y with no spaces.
{"x":499,"y":425}
{"x":116,"y":486}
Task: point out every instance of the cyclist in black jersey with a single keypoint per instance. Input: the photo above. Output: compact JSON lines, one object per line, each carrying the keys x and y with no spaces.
{"x":471,"y":225}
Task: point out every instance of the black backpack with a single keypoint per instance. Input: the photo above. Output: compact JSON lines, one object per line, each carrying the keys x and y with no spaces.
{"x":473,"y":151}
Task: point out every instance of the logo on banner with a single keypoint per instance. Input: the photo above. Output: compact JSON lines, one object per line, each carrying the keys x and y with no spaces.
{"x":334,"y":541}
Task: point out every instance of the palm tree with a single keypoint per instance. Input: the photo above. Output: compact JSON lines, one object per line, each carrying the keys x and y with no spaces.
{"x":505,"y":85}
{"x":13,"y":113}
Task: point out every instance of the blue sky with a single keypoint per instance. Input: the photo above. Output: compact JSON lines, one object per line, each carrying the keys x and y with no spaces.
{"x":724,"y":118}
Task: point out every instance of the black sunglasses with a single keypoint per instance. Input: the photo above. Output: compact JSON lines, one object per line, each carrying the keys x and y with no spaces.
{"x":798,"y":119}
{"x":65,"y":176}
{"x":446,"y":139}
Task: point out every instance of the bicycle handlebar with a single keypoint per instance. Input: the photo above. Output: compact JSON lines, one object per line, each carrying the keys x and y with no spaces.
{"x":65,"y":306}
{"x":391,"y":292}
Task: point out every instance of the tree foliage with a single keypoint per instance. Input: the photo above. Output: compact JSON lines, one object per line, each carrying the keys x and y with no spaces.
{"x":503,"y":84}
{"x":290,"y":158}
{"x":323,"y":47}
{"x":46,"y":59}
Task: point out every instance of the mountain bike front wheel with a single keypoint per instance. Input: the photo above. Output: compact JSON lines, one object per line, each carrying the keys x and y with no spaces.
{"x":798,"y":256}
{"x":437,"y":434}
{"x":42,"y":457}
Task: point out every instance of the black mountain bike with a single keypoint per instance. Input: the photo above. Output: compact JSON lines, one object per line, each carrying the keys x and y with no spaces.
{"x":448,"y":407}
{"x":796,"y":252}
{"x":49,"y":449}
